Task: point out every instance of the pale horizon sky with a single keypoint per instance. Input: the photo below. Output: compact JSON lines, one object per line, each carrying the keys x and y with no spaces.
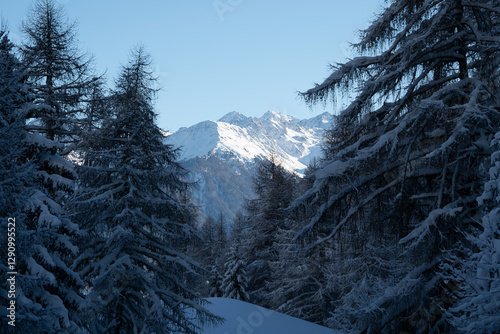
{"x":217,"y":56}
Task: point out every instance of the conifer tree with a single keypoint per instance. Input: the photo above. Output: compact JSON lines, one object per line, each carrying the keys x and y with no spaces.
{"x":238,"y":230}
{"x":274,"y":187}
{"x":215,"y":282}
{"x":49,"y":291}
{"x":206,"y":256}
{"x":208,"y":232}
{"x":397,"y":190}
{"x":15,"y":171}
{"x":210,"y":253}
{"x":13,"y":103}
{"x":298,"y":285}
{"x":234,"y":284}
{"x":221,"y":239}
{"x":60,"y":75}
{"x":132,"y":217}
{"x":478,"y":311}
{"x":96,"y":110}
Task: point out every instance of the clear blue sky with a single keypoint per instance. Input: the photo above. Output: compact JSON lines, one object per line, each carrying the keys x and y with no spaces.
{"x":217,"y":56}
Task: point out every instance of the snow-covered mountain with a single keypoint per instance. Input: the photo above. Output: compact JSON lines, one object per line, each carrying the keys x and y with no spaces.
{"x":221,"y":155}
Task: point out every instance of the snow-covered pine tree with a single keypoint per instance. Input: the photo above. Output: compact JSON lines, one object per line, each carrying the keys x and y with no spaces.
{"x":13,"y":100}
{"x":234,"y":260}
{"x":298,"y":285}
{"x":215,"y":282}
{"x":15,"y":170}
{"x":479,"y":309}
{"x":234,"y":283}
{"x":210,"y":252}
{"x":274,"y":187}
{"x":205,"y":254}
{"x":129,"y":209}
{"x":208,"y":233}
{"x":402,"y":170}
{"x":218,"y":248}
{"x":48,"y":292}
{"x":238,"y":229}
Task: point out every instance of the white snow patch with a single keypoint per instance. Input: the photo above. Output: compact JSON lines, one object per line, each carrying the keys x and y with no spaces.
{"x":237,"y":137}
{"x":246,"y":318}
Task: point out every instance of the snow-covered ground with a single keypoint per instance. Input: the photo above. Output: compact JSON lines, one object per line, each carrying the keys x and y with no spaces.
{"x":245,"y":318}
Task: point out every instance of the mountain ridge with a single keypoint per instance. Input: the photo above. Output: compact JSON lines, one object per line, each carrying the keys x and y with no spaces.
{"x":222,"y":154}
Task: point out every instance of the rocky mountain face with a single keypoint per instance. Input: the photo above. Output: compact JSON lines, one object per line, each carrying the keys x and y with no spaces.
{"x":221,"y":155}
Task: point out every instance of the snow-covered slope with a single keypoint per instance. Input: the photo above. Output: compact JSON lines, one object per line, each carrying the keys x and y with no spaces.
{"x":221,"y":155}
{"x":237,"y":137}
{"x":247,"y":318}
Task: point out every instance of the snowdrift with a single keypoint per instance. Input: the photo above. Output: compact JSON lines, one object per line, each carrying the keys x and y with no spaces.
{"x":245,"y":318}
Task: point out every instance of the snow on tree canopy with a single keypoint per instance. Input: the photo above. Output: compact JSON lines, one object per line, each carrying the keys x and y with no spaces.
{"x":414,"y":139}
{"x":49,"y":291}
{"x":129,"y":207}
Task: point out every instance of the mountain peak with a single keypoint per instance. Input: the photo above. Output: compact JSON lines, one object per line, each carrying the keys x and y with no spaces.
{"x":272,"y":115}
{"x":222,"y":155}
{"x":321,"y":121}
{"x":235,"y":118}
{"x":236,"y":136}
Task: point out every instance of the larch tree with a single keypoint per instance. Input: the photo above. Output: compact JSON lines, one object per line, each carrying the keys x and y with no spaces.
{"x":396,"y":192}
{"x":210,"y":252}
{"x":61,"y":75}
{"x":478,"y":311}
{"x":131,"y":216}
{"x":215,"y":282}
{"x":221,"y":238}
{"x":49,"y":293}
{"x":16,"y":174}
{"x":274,"y":187}
{"x":298,"y":285}
{"x":208,"y":234}
{"x":234,"y":283}
{"x":206,"y":254}
{"x":14,"y":98}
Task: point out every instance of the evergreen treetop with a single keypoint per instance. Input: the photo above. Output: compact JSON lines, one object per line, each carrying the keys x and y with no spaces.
{"x":60,"y":75}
